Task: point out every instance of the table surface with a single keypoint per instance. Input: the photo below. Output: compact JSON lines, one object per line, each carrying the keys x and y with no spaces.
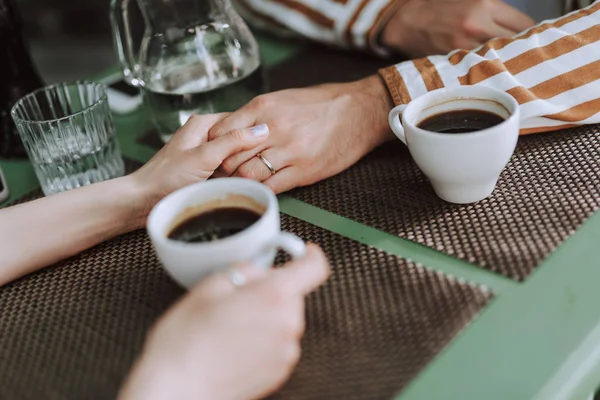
{"x":538,"y":339}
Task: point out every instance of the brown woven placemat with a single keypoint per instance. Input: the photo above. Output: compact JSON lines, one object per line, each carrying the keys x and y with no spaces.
{"x":376,"y":323}
{"x":547,"y":191}
{"x":72,"y":331}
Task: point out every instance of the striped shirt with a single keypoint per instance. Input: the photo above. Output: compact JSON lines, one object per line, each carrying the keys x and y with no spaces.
{"x":552,"y":69}
{"x":345,"y":23}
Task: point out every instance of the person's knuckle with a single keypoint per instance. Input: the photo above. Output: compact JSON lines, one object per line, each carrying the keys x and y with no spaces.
{"x":457,"y":41}
{"x":216,"y":131}
{"x":193,"y":119}
{"x":237,"y":134}
{"x":247,"y":171}
{"x":260,"y":102}
{"x":229,"y":166}
{"x":305,"y":147}
{"x":278,"y":125}
{"x":468,"y":26}
{"x":305,"y":153}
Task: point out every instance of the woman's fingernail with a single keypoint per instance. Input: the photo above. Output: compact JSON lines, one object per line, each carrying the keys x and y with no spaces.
{"x":260,"y":130}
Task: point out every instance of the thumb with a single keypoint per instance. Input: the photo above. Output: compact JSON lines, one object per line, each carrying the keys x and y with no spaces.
{"x":195,"y":131}
{"x":213,"y":153}
{"x":304,"y":275}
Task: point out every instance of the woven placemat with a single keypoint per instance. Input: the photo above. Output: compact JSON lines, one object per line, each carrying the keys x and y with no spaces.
{"x":376,"y":323}
{"x":72,"y":331}
{"x":547,"y":191}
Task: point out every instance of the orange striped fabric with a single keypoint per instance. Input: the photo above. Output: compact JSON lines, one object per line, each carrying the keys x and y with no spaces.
{"x":346,"y":23}
{"x":552,"y":70}
{"x":500,"y":43}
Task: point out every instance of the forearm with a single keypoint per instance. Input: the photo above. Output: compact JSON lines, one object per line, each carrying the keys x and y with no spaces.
{"x":36,"y":234}
{"x":355,"y":24}
{"x":551,"y":69}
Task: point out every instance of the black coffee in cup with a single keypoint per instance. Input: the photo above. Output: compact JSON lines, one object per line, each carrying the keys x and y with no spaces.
{"x":461,"y":121}
{"x":214,"y":224}
{"x":215,"y":220}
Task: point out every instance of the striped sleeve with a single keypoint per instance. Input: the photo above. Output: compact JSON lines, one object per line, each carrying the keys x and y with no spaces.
{"x":344,"y":23}
{"x":552,"y":69}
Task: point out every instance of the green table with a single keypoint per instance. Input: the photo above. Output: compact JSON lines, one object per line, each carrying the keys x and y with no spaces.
{"x":536,"y":340}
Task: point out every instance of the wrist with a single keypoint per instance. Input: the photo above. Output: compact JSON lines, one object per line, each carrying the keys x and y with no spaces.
{"x":373,"y":92}
{"x":134,"y":201}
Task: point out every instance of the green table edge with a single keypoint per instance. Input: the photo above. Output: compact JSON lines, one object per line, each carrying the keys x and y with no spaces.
{"x":536,"y":340}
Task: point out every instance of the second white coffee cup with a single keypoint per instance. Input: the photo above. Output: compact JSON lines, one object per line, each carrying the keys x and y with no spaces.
{"x":187,"y":263}
{"x":465,"y":167}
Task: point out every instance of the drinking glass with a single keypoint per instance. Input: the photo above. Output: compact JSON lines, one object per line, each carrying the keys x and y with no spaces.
{"x":69,"y":135}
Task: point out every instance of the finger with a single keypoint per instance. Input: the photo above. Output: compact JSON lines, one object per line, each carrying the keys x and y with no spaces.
{"x":303,"y":275}
{"x":511,"y":18}
{"x":195,"y":131}
{"x":468,"y":43}
{"x":497,"y":31}
{"x":242,"y":118}
{"x":231,"y":165}
{"x":214,"y":152}
{"x":284,"y":180}
{"x":221,"y":284}
{"x":300,"y":306}
{"x":258,"y":170}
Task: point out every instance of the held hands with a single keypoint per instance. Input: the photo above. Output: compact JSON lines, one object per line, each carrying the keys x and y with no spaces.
{"x":314,"y":132}
{"x":426,"y":27}
{"x":227,"y":342}
{"x":189,"y":158}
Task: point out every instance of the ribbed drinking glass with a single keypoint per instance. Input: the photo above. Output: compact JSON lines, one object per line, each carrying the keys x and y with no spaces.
{"x":69,"y":135}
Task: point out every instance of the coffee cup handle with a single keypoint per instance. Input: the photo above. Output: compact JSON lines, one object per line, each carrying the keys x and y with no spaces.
{"x":395,"y":124}
{"x":291,"y":244}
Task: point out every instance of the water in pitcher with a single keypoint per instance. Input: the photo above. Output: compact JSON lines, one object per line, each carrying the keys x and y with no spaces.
{"x":196,"y":57}
{"x":170,"y":103}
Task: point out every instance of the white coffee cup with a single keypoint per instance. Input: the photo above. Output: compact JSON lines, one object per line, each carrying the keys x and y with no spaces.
{"x":187,"y":263}
{"x":464,"y":167}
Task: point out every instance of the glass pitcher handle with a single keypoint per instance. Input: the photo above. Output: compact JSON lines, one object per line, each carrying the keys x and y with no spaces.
{"x":119,"y":17}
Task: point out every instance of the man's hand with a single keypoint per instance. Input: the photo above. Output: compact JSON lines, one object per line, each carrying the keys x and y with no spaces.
{"x":314,"y":132}
{"x":426,"y":27}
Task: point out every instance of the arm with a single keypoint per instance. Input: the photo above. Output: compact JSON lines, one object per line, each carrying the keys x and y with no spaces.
{"x":42,"y":232}
{"x":50,"y":229}
{"x":345,"y":23}
{"x":552,"y":70}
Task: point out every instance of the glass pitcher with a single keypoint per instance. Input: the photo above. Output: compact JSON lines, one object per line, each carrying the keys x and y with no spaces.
{"x":196,"y":57}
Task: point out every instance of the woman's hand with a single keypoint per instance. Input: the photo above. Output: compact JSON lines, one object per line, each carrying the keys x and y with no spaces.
{"x":188,"y":158}
{"x":426,"y":27}
{"x":314,"y":132}
{"x":226,"y":342}
{"x":75,"y":220}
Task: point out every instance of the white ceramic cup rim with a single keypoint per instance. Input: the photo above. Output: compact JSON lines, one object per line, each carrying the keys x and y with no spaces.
{"x":159,"y":233}
{"x":463,"y":93}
